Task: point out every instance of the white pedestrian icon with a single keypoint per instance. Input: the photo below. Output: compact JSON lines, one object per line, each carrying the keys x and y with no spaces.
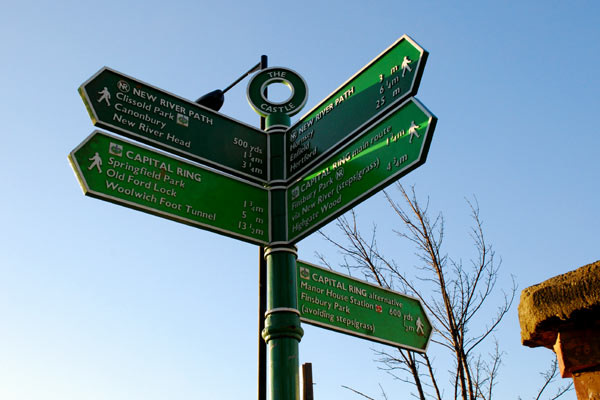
{"x":412,"y":131}
{"x":105,"y":96}
{"x":97,"y":162}
{"x":405,"y":66}
{"x":420,"y":326}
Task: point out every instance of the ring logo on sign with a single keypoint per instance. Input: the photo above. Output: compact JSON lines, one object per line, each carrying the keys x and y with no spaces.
{"x":257,"y":88}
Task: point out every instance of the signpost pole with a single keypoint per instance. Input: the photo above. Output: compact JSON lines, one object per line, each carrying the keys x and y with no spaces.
{"x":282,"y":331}
{"x":262,"y":294}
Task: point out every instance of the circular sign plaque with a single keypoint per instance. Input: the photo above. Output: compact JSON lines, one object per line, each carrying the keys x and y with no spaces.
{"x":258,"y":85}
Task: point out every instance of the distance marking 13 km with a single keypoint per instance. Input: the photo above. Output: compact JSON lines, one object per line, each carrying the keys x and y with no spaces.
{"x":128,"y":174}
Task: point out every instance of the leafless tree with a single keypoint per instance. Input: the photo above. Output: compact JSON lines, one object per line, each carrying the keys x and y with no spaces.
{"x":549,"y":376}
{"x":457,"y":295}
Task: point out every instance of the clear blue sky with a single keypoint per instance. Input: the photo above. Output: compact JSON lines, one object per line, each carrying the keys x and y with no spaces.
{"x":103,"y":302}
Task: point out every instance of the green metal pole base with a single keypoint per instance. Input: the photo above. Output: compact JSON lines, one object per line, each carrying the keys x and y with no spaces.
{"x":282,"y":325}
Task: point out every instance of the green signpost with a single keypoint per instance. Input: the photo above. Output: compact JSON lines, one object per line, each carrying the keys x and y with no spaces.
{"x":388,"y":80}
{"x":347,"y":305}
{"x":272,"y":188}
{"x":378,"y":156}
{"x":140,"y":111}
{"x":133,"y":176}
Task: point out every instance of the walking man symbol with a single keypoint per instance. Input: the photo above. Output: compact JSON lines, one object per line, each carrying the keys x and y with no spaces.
{"x":404,"y":65}
{"x":412,"y":131}
{"x":420,"y":329}
{"x":97,"y":162}
{"x":105,"y":96}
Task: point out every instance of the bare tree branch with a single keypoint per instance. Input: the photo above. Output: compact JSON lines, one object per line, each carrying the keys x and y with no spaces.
{"x":550,"y":376}
{"x":455,"y":294}
{"x":357,"y":392}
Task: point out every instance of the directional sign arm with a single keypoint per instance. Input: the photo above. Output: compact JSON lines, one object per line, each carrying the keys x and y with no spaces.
{"x":378,"y":156}
{"x":343,"y":304}
{"x":385,"y":82}
{"x":135,"y":109}
{"x":127,"y":174}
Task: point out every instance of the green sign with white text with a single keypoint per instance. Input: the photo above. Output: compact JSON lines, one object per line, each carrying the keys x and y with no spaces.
{"x":344,"y":304}
{"x":134,"y":176}
{"x":388,"y":80}
{"x":378,"y":156}
{"x":132,"y":108}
